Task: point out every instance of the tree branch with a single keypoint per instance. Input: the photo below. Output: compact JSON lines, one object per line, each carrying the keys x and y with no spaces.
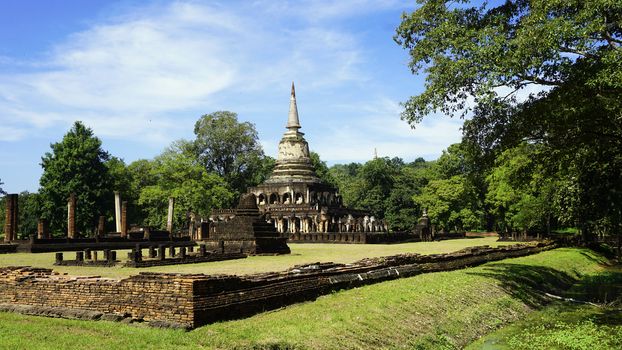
{"x":576,"y":52}
{"x":613,"y":42}
{"x":539,"y":80}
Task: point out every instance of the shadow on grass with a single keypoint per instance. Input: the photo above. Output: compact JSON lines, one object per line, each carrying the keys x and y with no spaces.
{"x":529,"y":283}
{"x":603,"y":288}
{"x":593,"y":258}
{"x":610,"y":317}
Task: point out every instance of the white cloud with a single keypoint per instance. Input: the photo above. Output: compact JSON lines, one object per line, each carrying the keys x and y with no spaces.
{"x":141,"y":70}
{"x":379,"y":128}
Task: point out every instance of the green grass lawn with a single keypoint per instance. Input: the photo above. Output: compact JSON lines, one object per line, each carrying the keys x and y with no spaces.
{"x":446,"y":310}
{"x":301,"y":254}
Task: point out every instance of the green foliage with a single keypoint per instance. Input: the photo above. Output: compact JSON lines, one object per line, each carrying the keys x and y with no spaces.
{"x":450,"y":193}
{"x":76,"y":164}
{"x":467,"y":51}
{"x":29,"y":210}
{"x":583,"y":335}
{"x":344,"y":175}
{"x":321,"y":169}
{"x":1,"y":190}
{"x":520,"y":194}
{"x":230,"y":149}
{"x":373,"y":184}
{"x":479,"y":58}
{"x":447,"y":202}
{"x":402,"y":212}
{"x":177,"y":173}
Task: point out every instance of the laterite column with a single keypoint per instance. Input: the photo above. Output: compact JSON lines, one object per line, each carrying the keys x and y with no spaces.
{"x":124,"y":219}
{"x":117,"y":211}
{"x":43,"y":229}
{"x":11,"y":223}
{"x":71,"y":216}
{"x":169,"y":219}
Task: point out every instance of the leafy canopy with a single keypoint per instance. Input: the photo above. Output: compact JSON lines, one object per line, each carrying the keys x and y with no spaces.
{"x":469,"y":51}
{"x":76,"y":164}
{"x":230,"y":149}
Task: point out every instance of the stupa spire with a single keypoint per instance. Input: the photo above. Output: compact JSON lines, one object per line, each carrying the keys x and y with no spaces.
{"x":293,"y":123}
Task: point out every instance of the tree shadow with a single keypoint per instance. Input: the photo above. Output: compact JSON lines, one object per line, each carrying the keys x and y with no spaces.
{"x":610,"y":317}
{"x":603,"y":288}
{"x":592,"y":258}
{"x":529,"y":283}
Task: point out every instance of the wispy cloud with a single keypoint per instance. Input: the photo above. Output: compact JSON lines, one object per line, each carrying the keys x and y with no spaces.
{"x":379,"y":128}
{"x":142,"y":69}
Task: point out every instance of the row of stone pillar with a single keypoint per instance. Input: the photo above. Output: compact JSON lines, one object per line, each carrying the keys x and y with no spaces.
{"x":43,"y":232}
{"x":159,"y":253}
{"x":109,"y":255}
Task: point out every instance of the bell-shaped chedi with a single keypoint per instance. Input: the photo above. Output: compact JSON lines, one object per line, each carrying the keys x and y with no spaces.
{"x":293,"y":162}
{"x":294,"y":198}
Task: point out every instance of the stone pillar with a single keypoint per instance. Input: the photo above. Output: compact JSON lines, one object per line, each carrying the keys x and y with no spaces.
{"x":152,"y":252}
{"x":161,"y":252}
{"x":15,"y":215}
{"x":12,"y":215}
{"x":117,"y":211}
{"x":138,"y":253}
{"x":8,"y":223}
{"x":169,"y":219}
{"x":124,"y":219}
{"x":192,"y":230}
{"x":71,"y":216}
{"x":101,"y":226}
{"x":43,"y":229}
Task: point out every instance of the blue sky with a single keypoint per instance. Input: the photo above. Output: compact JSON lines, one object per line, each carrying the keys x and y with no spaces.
{"x":141,"y":73}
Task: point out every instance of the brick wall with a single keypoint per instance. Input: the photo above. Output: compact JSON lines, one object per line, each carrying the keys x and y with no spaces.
{"x":194,"y":300}
{"x":152,"y":297}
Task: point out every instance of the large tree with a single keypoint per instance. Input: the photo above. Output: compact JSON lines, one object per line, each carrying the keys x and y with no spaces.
{"x":176,"y":173}
{"x":484,"y":60}
{"x":230,"y":149}
{"x":76,"y":164}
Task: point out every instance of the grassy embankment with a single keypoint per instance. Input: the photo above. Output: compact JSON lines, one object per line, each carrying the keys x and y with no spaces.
{"x":301,"y":254}
{"x":435,"y":311}
{"x":569,"y":324}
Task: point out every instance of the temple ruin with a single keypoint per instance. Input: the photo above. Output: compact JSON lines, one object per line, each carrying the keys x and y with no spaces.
{"x":295,"y":200}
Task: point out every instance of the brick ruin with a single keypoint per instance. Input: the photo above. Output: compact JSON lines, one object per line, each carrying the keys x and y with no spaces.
{"x":193,"y":300}
{"x":246,"y":230}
